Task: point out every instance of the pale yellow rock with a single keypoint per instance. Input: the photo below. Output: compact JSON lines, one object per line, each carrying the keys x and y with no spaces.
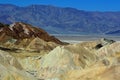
{"x":69,"y":62}
{"x":93,"y":73}
{"x":30,"y":64}
{"x":55,"y":63}
{"x":10,"y":69}
{"x":11,"y":73}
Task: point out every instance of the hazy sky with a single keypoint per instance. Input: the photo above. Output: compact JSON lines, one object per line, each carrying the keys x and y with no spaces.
{"x":89,"y":5}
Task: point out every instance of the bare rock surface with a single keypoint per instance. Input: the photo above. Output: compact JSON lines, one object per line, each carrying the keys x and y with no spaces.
{"x":10,"y":68}
{"x":29,"y":53}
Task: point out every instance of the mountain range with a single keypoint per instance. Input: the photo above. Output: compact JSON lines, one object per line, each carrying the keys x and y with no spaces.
{"x":57,"y":20}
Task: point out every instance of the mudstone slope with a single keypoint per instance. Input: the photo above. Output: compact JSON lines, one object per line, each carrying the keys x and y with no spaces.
{"x":33,"y":56}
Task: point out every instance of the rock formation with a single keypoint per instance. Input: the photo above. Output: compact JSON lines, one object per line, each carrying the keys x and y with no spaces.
{"x":10,"y":69}
{"x":21,"y":30}
{"x":78,"y":62}
{"x":29,"y":53}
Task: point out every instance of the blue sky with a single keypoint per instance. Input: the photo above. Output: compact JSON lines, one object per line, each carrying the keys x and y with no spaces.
{"x":89,"y":5}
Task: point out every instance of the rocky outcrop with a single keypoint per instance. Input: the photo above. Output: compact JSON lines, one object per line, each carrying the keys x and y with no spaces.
{"x":22,"y":48}
{"x":109,"y":50}
{"x":22,"y":36}
{"x":56,"y":63}
{"x":98,"y":72}
{"x":10,"y":68}
{"x":33,"y":55}
{"x":103,"y":42}
{"x":78,"y":61}
{"x":65,"y":58}
{"x":7,"y":59}
{"x":21,"y":30}
{"x":31,"y":44}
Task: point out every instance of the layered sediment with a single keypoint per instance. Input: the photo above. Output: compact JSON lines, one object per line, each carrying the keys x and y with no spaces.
{"x":29,"y":53}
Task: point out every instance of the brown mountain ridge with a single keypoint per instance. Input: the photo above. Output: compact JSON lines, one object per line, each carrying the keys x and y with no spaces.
{"x":21,"y":31}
